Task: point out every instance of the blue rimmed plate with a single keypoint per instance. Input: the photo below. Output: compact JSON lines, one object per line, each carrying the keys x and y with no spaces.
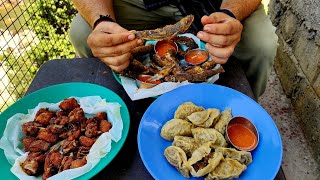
{"x":266,"y":157}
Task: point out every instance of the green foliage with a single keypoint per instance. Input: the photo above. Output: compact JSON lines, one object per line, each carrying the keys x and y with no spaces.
{"x":50,"y":20}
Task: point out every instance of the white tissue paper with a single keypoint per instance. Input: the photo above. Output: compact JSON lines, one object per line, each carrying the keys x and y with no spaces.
{"x":13,"y":148}
{"x":135,"y":93}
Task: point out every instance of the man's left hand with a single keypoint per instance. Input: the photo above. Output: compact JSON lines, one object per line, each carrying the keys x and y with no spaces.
{"x":221,"y":34}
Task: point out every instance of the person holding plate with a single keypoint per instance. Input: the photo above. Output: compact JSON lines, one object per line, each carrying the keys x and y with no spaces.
{"x":240,"y":28}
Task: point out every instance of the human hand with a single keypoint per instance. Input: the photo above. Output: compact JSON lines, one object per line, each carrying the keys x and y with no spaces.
{"x":222,"y":33}
{"x":112,"y":44}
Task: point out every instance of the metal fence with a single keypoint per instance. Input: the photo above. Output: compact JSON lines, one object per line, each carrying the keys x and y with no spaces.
{"x":28,"y":40}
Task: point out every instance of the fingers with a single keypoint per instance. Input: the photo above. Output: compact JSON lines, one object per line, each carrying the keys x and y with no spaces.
{"x":215,"y":18}
{"x":218,"y":40}
{"x":116,"y":50}
{"x":117,"y":63}
{"x":226,"y":28}
{"x":220,"y":55}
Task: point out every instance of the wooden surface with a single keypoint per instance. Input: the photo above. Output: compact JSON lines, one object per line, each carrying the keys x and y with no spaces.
{"x":127,"y":164}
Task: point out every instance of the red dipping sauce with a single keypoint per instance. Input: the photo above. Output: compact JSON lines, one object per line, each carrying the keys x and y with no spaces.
{"x":241,"y":136}
{"x":162,"y":47}
{"x":145,"y":79}
{"x":196,"y":57}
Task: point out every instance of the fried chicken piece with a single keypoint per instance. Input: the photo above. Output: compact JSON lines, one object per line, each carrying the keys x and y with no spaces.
{"x":66,"y":163}
{"x":69,"y":146}
{"x":105,"y":126}
{"x":76,"y":115}
{"x":40,"y":111}
{"x":56,"y":129}
{"x":92,"y":129}
{"x":83,"y":152}
{"x":39,"y":145}
{"x":33,"y":165}
{"x":74,"y":132}
{"x":61,"y":113}
{"x":85,"y":141}
{"x":44,"y":118}
{"x":26,"y":141}
{"x":62,"y":120}
{"x":69,"y":104}
{"x":78,"y":163}
{"x":46,"y":135}
{"x":31,"y":128}
{"x":100,"y":116}
{"x":52,"y":164}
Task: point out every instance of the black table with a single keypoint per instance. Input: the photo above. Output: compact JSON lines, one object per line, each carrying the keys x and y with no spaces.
{"x":127,"y":164}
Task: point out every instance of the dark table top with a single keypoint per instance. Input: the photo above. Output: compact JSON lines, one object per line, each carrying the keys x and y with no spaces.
{"x":127,"y":164}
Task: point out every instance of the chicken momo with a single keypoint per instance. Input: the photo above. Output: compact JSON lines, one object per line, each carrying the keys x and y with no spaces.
{"x":177,"y":158}
{"x":176,"y":127}
{"x":186,"y":109}
{"x":203,"y":135}
{"x":204,"y":118}
{"x":227,"y":169}
{"x":243,"y":157}
{"x":187,"y":144}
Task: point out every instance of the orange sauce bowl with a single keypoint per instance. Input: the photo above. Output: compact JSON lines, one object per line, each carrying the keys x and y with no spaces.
{"x":242,"y":134}
{"x":196,"y":56}
{"x":162,"y":47}
{"x":142,"y":81}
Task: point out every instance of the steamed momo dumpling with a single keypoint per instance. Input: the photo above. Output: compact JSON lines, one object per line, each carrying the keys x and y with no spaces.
{"x":177,"y":158}
{"x":227,"y":169}
{"x":203,"y":160}
{"x":186,"y":109}
{"x":176,"y":127}
{"x":222,"y":122}
{"x":203,"y":135}
{"x":204,"y":118}
{"x":243,"y":157}
{"x":187,"y":144}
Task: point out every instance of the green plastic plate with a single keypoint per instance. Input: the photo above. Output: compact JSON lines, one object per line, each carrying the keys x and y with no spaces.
{"x":54,"y":94}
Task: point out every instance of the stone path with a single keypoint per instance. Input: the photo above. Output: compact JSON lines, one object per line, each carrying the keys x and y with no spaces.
{"x":298,"y":162}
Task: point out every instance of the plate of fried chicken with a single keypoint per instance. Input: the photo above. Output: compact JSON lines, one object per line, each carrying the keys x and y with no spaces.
{"x":70,"y":130}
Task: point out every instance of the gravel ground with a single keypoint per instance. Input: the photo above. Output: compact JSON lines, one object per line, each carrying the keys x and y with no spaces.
{"x":298,"y":162}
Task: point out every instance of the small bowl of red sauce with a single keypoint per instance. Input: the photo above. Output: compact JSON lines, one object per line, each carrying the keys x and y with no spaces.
{"x":142,"y":81}
{"x":242,"y":134}
{"x":196,"y":56}
{"x":162,"y":47}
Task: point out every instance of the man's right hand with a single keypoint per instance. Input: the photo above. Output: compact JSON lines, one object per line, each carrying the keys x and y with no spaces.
{"x":112,"y":44}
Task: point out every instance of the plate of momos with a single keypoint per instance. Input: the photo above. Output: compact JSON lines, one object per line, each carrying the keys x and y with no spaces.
{"x":182,"y":135}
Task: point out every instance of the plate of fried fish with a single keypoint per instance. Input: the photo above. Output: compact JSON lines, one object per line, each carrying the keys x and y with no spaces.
{"x":183,"y":135}
{"x":70,"y":130}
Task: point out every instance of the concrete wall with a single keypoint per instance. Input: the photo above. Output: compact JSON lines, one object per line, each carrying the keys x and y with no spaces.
{"x":298,"y":60}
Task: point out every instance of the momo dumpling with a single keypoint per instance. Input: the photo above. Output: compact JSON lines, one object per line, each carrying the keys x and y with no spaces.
{"x":204,"y":118}
{"x":176,"y":127}
{"x":177,"y":158}
{"x":187,"y":144}
{"x":186,"y":109}
{"x":203,"y":160}
{"x":227,"y":169}
{"x":243,"y":157}
{"x":222,"y":122}
{"x":203,"y":135}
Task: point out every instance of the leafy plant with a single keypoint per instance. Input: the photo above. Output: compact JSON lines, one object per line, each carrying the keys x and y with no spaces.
{"x":50,"y":20}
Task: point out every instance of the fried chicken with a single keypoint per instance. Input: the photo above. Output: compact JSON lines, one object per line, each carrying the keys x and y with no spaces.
{"x":39,"y":145}
{"x":26,"y":141}
{"x":100,"y":116}
{"x":52,"y":164}
{"x":85,"y":141}
{"x":76,"y":115}
{"x":69,"y":104}
{"x":44,"y":118}
{"x":46,"y":135}
{"x":104,"y":126}
{"x":31,"y":128}
{"x":92,"y":129}
{"x":33,"y":165}
{"x":69,"y":146}
{"x":78,"y":163}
